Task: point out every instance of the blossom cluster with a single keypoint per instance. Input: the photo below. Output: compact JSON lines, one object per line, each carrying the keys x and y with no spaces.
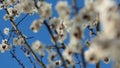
{"x":104,"y":12}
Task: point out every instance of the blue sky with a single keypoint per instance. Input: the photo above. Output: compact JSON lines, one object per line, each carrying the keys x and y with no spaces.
{"x":6,"y":60}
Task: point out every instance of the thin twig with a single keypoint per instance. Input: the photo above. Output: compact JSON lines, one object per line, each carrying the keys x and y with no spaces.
{"x":83,"y":58}
{"x":19,"y":62}
{"x":22,"y":19}
{"x":75,"y":6}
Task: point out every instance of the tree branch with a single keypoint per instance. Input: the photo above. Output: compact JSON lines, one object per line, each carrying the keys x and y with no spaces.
{"x":98,"y":65}
{"x":26,"y":43}
{"x":55,"y":44}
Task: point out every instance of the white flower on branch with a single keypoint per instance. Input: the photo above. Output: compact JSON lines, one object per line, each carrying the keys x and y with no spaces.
{"x":1,"y":6}
{"x":18,"y":8}
{"x":18,"y":41}
{"x":13,"y":12}
{"x":38,"y":47}
{"x":67,"y":24}
{"x":76,"y":32}
{"x":35,"y":26}
{"x":89,"y":4}
{"x":4,"y":46}
{"x":27,"y":6}
{"x":67,"y":54}
{"x":91,"y":56}
{"x":86,"y":16}
{"x":6,"y":31}
{"x":12,"y":2}
{"x":63,"y":9}
{"x":58,"y":62}
{"x":106,"y":60}
{"x":45,"y":9}
{"x":62,"y":34}
{"x":52,"y":55}
{"x":54,"y":22}
{"x":5,"y":4}
{"x":6,"y":17}
{"x":15,"y":41}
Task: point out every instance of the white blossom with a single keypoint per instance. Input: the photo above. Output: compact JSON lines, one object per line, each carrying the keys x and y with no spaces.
{"x":54,"y":22}
{"x":27,"y":6}
{"x":63,"y":9}
{"x":45,"y":9}
{"x":35,"y":26}
{"x":15,"y":41}
{"x":18,"y":41}
{"x":58,"y":62}
{"x":4,"y":46}
{"x":6,"y":17}
{"x":89,"y":4}
{"x":106,"y":60}
{"x":37,"y":46}
{"x":91,"y":56}
{"x":6,"y":31}
{"x":67,"y":54}
{"x":21,"y":41}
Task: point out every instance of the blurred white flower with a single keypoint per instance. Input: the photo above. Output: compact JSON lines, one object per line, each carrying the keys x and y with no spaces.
{"x":51,"y":56}
{"x":61,"y":33}
{"x":27,"y":6}
{"x":54,"y":22}
{"x":45,"y":9}
{"x":6,"y":31}
{"x":1,"y":6}
{"x":89,"y":4}
{"x":37,"y":46}
{"x":12,"y":1}
{"x":35,"y":26}
{"x":63,"y":9}
{"x":67,"y":54}
{"x":91,"y":56}
{"x":106,"y":60}
{"x":68,"y":24}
